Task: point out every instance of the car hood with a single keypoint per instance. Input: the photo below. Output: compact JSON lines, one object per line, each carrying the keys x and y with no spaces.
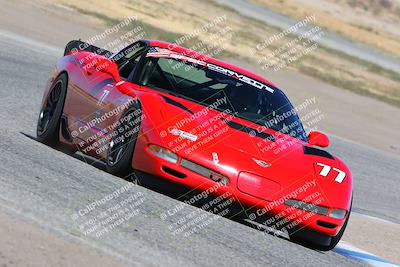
{"x":232,"y":146}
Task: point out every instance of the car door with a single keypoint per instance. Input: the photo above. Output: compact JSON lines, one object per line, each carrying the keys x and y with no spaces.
{"x":111,"y":102}
{"x":87,"y":87}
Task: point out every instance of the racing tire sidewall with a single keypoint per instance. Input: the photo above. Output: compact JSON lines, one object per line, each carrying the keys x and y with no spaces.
{"x":51,"y":135}
{"x":123,"y":167}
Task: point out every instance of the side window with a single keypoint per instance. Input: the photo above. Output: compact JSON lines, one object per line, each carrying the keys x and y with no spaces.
{"x":128,"y":58}
{"x":151,"y":76}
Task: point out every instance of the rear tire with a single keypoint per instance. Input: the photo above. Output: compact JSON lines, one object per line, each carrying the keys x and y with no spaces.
{"x":122,"y":145}
{"x":48,"y":125}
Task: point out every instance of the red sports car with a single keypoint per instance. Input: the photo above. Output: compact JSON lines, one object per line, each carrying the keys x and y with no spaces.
{"x":163,"y":110}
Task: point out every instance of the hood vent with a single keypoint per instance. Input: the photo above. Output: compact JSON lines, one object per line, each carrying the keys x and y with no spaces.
{"x":317,"y":152}
{"x":176,"y":104}
{"x":249,"y":130}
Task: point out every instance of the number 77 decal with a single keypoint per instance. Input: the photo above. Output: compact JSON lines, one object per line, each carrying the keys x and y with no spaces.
{"x":326,"y":169}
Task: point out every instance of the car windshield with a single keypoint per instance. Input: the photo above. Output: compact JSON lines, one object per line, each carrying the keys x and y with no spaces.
{"x":207,"y":84}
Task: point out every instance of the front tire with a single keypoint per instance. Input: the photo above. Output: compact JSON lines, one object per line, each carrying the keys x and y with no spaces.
{"x":122,"y":144}
{"x":48,"y":125}
{"x":321,"y":242}
{"x":335,"y":240}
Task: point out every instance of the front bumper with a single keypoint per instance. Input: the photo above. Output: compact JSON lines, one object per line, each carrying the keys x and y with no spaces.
{"x":274,"y":212}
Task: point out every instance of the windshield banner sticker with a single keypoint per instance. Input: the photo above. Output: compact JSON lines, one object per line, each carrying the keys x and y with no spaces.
{"x":165,"y":53}
{"x":240,"y":77}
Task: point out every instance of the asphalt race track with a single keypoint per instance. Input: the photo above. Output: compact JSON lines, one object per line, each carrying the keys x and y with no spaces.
{"x":47,"y":187}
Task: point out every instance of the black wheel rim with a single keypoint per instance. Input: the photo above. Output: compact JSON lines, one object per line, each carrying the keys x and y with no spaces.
{"x":49,"y":108}
{"x":119,"y":142}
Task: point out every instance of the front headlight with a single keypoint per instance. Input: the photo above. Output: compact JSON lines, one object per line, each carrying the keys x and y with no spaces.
{"x":337,"y":214}
{"x":163,"y":153}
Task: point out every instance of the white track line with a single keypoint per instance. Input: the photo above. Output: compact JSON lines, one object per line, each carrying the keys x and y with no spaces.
{"x":350,"y":251}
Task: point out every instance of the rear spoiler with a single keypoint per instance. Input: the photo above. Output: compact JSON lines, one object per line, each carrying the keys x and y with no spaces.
{"x":78,"y":45}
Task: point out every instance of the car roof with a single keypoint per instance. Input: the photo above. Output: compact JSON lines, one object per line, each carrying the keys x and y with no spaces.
{"x":208,"y":59}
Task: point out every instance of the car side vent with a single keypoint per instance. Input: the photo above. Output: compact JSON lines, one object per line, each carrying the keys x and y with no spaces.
{"x":317,"y":152}
{"x":249,"y":130}
{"x":176,"y":104}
